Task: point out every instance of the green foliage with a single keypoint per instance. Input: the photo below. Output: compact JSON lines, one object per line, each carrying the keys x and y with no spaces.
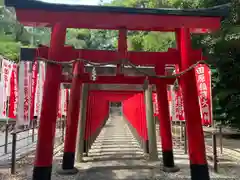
{"x":147,"y":41}
{"x":12,"y":34}
{"x":90,"y":39}
{"x":77,"y":38}
{"x":151,"y":41}
{"x":155,"y":41}
{"x":10,"y":50}
{"x":136,"y":42}
{"x":222,"y":49}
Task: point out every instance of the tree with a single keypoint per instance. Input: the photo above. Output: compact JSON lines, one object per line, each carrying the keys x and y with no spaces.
{"x":222,"y":49}
{"x":12,"y":34}
{"x":91,"y":39}
{"x":147,"y":41}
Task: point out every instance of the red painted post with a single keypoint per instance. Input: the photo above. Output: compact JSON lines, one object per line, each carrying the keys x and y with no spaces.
{"x":89,"y":121}
{"x":122,"y":47}
{"x":143,"y":122}
{"x":92,"y":120}
{"x":72,"y":121}
{"x":165,"y":124}
{"x":196,"y":145}
{"x":46,"y":133}
{"x":87,"y":125}
{"x":165,"y":129}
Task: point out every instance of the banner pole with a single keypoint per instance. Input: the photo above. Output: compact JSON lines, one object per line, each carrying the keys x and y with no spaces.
{"x":211,"y":104}
{"x":29,"y":91}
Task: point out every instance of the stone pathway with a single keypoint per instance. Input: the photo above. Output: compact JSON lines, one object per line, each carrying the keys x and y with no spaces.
{"x":228,"y":169}
{"x":116,"y":155}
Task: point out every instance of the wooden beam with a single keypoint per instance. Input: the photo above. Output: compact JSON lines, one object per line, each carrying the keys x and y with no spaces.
{"x":113,"y":21}
{"x":137,"y":58}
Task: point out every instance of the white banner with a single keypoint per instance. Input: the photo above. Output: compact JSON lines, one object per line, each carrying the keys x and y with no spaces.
{"x":42,"y":74}
{"x":24,"y":88}
{"x":37,"y":98}
{"x":63,"y":97}
{"x":2,"y":96}
{"x":5,"y":79}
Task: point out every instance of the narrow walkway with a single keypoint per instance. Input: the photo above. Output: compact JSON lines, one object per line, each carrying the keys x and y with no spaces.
{"x":115,"y":155}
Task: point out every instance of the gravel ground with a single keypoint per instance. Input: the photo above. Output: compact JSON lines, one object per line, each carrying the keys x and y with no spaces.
{"x":116,"y":155}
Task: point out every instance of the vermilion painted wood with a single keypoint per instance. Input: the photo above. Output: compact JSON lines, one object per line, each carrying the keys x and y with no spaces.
{"x":134,"y":111}
{"x":73,"y":113}
{"x":144,"y":119}
{"x":104,"y":20}
{"x":97,"y":112}
{"x":122,"y":47}
{"x":87,"y":130}
{"x":113,"y":96}
{"x":47,"y":125}
{"x":137,"y":58}
{"x":191,"y":106}
{"x":86,"y":78}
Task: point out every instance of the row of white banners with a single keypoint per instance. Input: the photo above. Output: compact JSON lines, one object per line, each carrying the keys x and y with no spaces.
{"x":21,"y":91}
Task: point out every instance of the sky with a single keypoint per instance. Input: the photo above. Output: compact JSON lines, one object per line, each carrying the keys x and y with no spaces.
{"x":84,"y":2}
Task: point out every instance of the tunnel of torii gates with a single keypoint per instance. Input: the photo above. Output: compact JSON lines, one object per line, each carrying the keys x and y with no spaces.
{"x":60,"y":17}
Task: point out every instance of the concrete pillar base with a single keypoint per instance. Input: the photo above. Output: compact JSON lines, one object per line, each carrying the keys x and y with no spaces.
{"x":199,"y":171}
{"x":171,"y":169}
{"x":42,"y":173}
{"x":67,"y":171}
{"x":145,"y":144}
{"x":153,"y":159}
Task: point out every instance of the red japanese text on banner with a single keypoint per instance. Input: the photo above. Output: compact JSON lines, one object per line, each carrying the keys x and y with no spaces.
{"x":37,"y":97}
{"x":59,"y":104}
{"x":34,"y":87}
{"x":155,"y":104}
{"x":5,"y":78}
{"x":66,"y":101}
{"x":203,"y":81}
{"x":39,"y":89}
{"x":63,"y":98}
{"x":23,"y":94}
{"x":13,"y":101}
{"x":179,"y":106}
{"x":26,"y":90}
{"x":170,"y":103}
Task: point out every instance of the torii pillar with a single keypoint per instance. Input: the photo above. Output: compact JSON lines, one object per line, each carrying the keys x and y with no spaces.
{"x":151,"y":127}
{"x":46,"y":133}
{"x":165,"y":124}
{"x":196,"y":144}
{"x":82,"y":124}
{"x":72,"y":122}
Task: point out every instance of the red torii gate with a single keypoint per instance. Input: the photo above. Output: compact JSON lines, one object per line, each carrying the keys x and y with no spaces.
{"x":130,"y":100}
{"x":60,"y":17}
{"x":114,"y":96}
{"x":94,"y":123}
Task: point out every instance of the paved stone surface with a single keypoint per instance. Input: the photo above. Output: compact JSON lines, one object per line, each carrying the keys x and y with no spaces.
{"x":116,"y":155}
